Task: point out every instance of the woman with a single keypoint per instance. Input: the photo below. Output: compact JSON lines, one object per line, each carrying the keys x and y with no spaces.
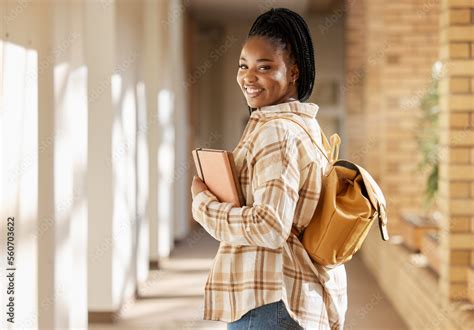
{"x":262,"y":275}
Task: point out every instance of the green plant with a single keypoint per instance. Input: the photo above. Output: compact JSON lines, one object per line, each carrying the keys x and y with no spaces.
{"x":428,"y":136}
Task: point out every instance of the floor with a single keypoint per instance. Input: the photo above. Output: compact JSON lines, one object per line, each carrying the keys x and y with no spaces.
{"x":172,"y":296}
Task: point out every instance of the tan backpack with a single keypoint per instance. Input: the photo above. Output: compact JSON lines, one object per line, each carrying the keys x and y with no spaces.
{"x":349,"y":202}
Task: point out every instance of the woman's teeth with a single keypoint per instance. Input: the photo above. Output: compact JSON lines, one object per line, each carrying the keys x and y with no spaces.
{"x":251,"y":91}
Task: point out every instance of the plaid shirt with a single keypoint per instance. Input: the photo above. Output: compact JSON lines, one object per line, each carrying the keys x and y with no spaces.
{"x":260,"y":260}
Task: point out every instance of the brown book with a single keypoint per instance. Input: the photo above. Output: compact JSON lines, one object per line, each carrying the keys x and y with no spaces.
{"x":216,"y":168}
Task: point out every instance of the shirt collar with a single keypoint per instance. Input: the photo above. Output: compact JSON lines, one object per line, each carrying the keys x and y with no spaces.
{"x":308,"y":109}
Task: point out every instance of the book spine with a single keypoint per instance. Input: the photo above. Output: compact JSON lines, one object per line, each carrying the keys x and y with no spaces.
{"x":201,"y":174}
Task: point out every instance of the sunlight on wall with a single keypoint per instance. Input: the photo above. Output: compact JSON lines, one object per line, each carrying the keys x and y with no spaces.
{"x":63,"y":185}
{"x":19,"y":171}
{"x":63,"y":153}
{"x":143,"y":185}
{"x":79,"y":222}
{"x":123,"y":168}
{"x":142,"y":148}
{"x":165,"y":163}
{"x":116,"y":85}
{"x":70,"y":160}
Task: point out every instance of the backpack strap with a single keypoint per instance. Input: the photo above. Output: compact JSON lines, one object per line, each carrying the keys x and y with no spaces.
{"x":376,"y":193}
{"x":332,"y":147}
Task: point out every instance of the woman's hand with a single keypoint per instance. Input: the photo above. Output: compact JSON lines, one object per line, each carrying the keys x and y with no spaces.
{"x":197,"y":186}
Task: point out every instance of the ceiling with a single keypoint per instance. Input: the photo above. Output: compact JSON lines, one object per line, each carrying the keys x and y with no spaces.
{"x":225,"y":10}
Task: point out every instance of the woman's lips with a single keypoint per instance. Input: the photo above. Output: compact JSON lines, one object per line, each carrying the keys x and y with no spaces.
{"x":253,"y":91}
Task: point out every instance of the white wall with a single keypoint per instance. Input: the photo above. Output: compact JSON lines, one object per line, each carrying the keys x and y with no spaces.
{"x":151,"y":67}
{"x":99,"y":22}
{"x":176,"y":61}
{"x":19,"y":56}
{"x":90,"y":140}
{"x":70,"y":166}
{"x":162,"y":238}
{"x":44,"y":123}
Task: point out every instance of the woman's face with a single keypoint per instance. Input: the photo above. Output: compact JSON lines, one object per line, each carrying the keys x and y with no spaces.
{"x":266,"y":73}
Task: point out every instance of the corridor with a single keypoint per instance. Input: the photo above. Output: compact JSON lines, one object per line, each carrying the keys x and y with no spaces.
{"x":172,"y":297}
{"x":103,"y":101}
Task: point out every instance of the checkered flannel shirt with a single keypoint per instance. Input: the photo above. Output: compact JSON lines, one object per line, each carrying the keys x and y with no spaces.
{"x":260,"y":260}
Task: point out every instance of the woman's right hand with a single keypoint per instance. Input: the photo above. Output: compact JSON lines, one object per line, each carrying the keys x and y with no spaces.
{"x":197,"y":186}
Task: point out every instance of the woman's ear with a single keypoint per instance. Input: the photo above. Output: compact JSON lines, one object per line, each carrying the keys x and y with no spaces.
{"x":294,"y":73}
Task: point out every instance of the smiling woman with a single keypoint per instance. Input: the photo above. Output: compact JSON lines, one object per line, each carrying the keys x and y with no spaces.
{"x":262,"y":275}
{"x":278,"y":54}
{"x":267,"y":74}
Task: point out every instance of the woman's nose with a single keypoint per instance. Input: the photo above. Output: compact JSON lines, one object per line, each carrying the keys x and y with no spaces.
{"x":250,"y":77}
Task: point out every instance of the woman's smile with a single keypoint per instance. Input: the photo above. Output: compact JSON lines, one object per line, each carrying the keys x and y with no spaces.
{"x":267,"y":74}
{"x":253,"y":91}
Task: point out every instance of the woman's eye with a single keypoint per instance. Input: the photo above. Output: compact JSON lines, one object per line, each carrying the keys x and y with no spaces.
{"x":260,"y":68}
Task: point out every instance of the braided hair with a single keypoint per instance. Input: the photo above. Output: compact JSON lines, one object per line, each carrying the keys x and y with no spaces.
{"x":291,"y":31}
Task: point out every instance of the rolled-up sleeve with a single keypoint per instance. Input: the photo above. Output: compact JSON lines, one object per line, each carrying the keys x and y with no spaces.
{"x":273,"y":159}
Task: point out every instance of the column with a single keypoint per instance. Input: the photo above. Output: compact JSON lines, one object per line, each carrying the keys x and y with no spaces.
{"x":99,"y":23}
{"x":152,"y":66}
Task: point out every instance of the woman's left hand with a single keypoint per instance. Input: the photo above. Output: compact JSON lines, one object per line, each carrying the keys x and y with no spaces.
{"x":197,"y":186}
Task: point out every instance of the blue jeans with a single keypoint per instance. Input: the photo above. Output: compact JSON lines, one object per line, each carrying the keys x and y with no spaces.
{"x":272,"y":316}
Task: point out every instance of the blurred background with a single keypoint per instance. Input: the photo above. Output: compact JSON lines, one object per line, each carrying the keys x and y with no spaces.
{"x":102,"y":101}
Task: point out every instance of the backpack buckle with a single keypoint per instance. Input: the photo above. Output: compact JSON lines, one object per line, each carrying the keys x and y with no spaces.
{"x":383,"y":223}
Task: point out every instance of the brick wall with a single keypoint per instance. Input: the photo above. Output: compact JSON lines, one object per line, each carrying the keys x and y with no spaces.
{"x":456,"y":199}
{"x":391,"y":48}
{"x":354,"y":77}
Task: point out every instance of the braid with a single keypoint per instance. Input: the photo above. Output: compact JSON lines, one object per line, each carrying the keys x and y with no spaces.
{"x":291,"y":31}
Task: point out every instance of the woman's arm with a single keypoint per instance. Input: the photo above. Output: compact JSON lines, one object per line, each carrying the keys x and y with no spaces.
{"x":276,"y":170}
